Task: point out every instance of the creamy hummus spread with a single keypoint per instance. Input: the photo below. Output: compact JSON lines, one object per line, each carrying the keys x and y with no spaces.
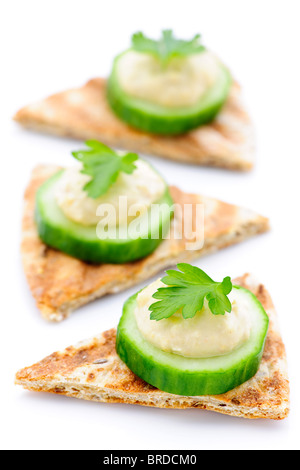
{"x":140,"y":189}
{"x":205,"y":335}
{"x":181,"y":83}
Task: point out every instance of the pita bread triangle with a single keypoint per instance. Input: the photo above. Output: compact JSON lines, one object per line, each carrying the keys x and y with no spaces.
{"x":83,"y":113}
{"x":91,"y":370}
{"x":61,"y":284}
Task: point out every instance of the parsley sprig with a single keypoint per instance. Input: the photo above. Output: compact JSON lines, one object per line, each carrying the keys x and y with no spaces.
{"x":187,"y":290}
{"x":103,"y":165}
{"x":167,"y":47}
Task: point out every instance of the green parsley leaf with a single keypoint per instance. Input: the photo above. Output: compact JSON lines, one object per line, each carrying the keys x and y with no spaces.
{"x":103,"y":165}
{"x":187,"y":290}
{"x":167,"y":47}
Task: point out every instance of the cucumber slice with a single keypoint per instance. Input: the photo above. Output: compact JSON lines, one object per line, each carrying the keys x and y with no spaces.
{"x":82,"y":242}
{"x":152,"y":118}
{"x":188,"y":376}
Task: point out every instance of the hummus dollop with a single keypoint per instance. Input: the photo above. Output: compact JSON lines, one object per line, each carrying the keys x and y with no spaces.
{"x":203,"y":336}
{"x":141,"y":188}
{"x":181,"y":83}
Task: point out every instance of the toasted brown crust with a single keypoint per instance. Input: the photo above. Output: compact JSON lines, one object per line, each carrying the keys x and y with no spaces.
{"x":83,"y":113}
{"x":60,"y":284}
{"x":91,"y":370}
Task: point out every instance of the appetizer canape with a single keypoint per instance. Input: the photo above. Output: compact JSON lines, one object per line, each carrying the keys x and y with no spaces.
{"x":169,"y":97}
{"x":207,"y":345}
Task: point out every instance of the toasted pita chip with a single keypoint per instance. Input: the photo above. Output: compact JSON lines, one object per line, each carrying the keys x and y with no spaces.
{"x":84,"y":113}
{"x":91,"y":370}
{"x":61,"y":284}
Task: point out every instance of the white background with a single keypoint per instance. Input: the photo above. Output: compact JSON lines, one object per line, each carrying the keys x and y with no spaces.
{"x":50,"y":46}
